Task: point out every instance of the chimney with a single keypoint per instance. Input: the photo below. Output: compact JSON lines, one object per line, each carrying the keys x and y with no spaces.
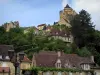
{"x":59,"y":53}
{"x":92,"y":58}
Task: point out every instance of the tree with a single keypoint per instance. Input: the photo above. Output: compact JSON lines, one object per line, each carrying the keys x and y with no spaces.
{"x":82,"y":29}
{"x":83,"y":52}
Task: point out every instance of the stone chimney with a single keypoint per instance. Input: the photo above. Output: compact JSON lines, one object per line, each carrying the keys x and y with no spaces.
{"x":92,"y":58}
{"x":59,"y":53}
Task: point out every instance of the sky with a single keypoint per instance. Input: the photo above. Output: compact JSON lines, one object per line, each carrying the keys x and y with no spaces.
{"x":35,"y":12}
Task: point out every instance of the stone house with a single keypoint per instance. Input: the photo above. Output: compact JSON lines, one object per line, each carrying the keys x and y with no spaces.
{"x":4,"y":71}
{"x":26,"y":64}
{"x":27,"y":29}
{"x":5,"y":61}
{"x":41,"y":27}
{"x":62,"y":35}
{"x":61,"y":60}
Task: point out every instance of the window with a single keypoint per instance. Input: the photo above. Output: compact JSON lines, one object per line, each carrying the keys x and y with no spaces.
{"x":47,"y":73}
{"x":59,"y":73}
{"x":0,"y":56}
{"x":70,"y":73}
{"x":58,"y":63}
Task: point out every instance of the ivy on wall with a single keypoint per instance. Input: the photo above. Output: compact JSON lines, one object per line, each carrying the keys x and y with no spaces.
{"x":45,"y":69}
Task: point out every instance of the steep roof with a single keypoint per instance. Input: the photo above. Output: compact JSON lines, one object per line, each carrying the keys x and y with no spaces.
{"x":48,"y":59}
{"x":26,"y":59}
{"x":67,"y":6}
{"x":4,"y":49}
{"x":56,"y":32}
{"x":41,"y":25}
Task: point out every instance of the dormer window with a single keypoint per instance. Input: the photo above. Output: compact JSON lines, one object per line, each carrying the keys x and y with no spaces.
{"x":58,"y":63}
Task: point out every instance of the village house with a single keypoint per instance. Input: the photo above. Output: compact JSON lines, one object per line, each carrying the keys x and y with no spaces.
{"x":6,"y":65}
{"x":62,"y":35}
{"x":41,"y":27}
{"x":61,"y":60}
{"x":4,"y":71}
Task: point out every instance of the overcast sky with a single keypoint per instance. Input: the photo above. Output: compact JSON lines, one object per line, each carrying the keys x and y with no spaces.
{"x":34,"y":12}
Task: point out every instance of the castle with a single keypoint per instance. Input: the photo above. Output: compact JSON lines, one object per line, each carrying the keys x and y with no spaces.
{"x":10,"y":25}
{"x":66,"y":15}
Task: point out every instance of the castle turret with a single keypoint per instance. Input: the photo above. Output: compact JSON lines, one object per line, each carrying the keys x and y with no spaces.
{"x":66,"y":15}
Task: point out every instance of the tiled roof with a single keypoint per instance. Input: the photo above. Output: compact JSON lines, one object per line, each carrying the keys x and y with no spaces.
{"x":4,"y":49}
{"x":26,"y":59}
{"x":41,"y":25}
{"x":48,"y":59}
{"x":55,"y":32}
{"x":4,"y":69}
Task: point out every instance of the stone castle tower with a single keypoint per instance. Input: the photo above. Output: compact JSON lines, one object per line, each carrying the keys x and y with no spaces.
{"x":66,"y":15}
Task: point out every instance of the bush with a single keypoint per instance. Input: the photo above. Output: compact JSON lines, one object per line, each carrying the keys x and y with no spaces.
{"x":84,"y":52}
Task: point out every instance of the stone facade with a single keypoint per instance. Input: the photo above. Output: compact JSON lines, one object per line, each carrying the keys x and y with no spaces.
{"x":4,"y":74}
{"x":66,"y":15}
{"x":64,"y":73}
{"x":10,"y":25}
{"x":8,"y":64}
{"x":25,"y":65}
{"x":41,"y":27}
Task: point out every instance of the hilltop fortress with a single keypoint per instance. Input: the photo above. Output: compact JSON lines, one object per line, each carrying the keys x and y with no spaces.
{"x":66,"y":15}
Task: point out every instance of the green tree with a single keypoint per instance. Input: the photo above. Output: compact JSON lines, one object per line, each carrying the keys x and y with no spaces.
{"x":82,"y":29}
{"x":83,"y":52}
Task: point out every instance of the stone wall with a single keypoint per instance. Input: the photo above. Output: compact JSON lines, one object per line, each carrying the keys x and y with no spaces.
{"x":63,"y":73}
{"x":4,"y":74}
{"x":8,"y":64}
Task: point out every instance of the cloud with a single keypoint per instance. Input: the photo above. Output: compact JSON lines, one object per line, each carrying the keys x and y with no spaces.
{"x":92,"y":6}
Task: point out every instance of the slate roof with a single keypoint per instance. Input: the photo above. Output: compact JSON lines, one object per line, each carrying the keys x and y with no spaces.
{"x":41,"y":25}
{"x":55,"y":32}
{"x":49,"y":58}
{"x":26,"y":59}
{"x":4,"y":49}
{"x":4,"y":69}
{"x":46,"y":59}
{"x":67,"y":6}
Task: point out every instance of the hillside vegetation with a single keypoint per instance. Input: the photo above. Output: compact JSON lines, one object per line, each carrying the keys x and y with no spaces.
{"x":86,"y":38}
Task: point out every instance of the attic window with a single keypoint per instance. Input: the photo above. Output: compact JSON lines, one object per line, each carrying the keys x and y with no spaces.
{"x":58,"y":65}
